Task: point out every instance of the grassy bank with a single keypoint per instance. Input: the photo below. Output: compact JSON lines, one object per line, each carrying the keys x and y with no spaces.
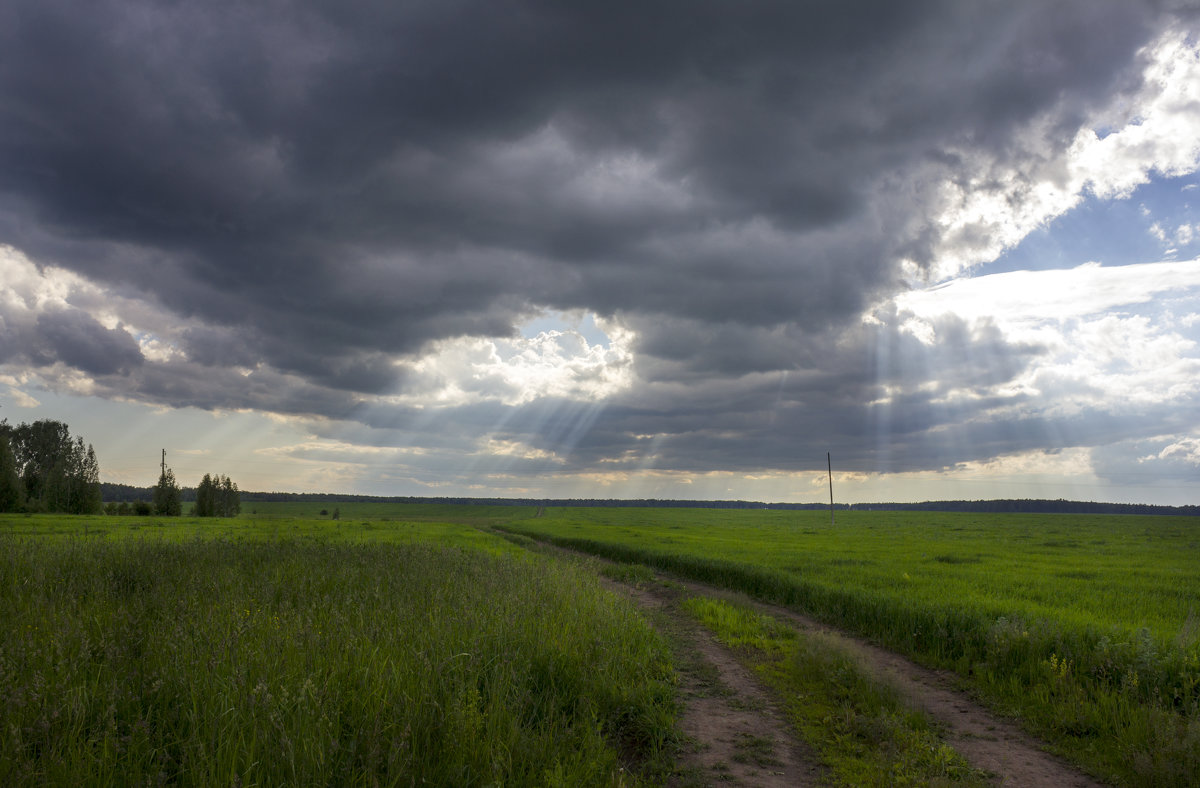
{"x":299,"y":661}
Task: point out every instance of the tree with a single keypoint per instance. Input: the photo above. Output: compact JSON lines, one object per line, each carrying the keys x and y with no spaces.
{"x":85,"y":480}
{"x":206,"y":497}
{"x":217,"y":496}
{"x":166,"y":495}
{"x":230,"y":499}
{"x":11,"y":494}
{"x":41,"y":450}
{"x":57,"y":473}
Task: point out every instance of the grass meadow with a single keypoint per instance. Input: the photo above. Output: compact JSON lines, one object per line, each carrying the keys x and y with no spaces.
{"x":403,"y":643}
{"x":1087,"y":628}
{"x":287,"y":652}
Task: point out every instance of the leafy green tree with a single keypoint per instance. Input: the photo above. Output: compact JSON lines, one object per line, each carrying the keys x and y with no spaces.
{"x":85,"y":480}
{"x":11,"y":494}
{"x":206,"y":498}
{"x":230,"y":498}
{"x":217,"y":496}
{"x":57,"y":473}
{"x":166,"y":495}
{"x":41,"y":449}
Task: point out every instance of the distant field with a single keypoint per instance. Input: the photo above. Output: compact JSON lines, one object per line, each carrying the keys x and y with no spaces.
{"x":1088,"y":627}
{"x":1118,"y":574}
{"x":371,"y":510}
{"x":455,"y":527}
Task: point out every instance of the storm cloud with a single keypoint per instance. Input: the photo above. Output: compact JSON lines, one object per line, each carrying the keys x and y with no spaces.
{"x":297,"y":204}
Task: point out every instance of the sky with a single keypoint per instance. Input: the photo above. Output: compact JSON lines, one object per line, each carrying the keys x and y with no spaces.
{"x":662,"y":249}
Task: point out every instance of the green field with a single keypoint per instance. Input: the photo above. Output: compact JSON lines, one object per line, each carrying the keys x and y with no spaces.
{"x":1086,"y":627}
{"x":255,"y":652}
{"x":402,"y":642}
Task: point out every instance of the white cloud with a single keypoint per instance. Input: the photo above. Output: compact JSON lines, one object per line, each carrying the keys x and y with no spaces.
{"x":30,"y":290}
{"x":1165,"y":134}
{"x":1163,"y":461}
{"x":22,"y":399}
{"x":1110,"y":336}
{"x":1185,"y":449}
{"x":1019,"y":298}
{"x":515,"y":371}
{"x":1002,"y":200}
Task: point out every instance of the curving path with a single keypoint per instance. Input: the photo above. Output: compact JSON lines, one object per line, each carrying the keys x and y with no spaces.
{"x":987,"y":741}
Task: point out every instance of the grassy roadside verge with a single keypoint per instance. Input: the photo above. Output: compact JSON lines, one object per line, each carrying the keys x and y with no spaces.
{"x":204,"y":662}
{"x":860,"y":728}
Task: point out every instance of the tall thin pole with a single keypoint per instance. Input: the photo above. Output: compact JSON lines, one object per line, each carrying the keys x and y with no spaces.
{"x":164,"y":471}
{"x":829,"y":462}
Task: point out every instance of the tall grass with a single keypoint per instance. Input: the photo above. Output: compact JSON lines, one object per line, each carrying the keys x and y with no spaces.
{"x":1082,"y":629}
{"x":283,"y":662}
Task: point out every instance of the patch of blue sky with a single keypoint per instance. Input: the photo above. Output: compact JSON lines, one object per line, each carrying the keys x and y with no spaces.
{"x":1116,"y":231}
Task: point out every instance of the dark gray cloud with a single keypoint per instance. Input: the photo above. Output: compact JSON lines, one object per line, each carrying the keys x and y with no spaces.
{"x":316,"y":189}
{"x":69,"y":337}
{"x":79,"y":341}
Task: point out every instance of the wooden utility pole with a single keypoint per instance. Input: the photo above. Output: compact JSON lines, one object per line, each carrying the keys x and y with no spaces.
{"x":829,"y":463}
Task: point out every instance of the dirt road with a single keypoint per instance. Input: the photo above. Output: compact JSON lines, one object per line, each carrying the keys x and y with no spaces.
{"x":741,"y":738}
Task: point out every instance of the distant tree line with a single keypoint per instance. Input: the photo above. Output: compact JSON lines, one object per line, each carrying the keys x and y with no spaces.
{"x":215,"y":496}
{"x":1033,"y":506}
{"x":1029,"y":506}
{"x":44,"y":469}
